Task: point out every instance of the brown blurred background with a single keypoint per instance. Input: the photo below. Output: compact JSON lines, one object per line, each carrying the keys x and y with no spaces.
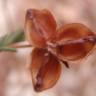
{"x":15,"y":79}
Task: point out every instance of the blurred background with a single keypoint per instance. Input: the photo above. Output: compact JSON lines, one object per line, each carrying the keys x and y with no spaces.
{"x":15,"y":78}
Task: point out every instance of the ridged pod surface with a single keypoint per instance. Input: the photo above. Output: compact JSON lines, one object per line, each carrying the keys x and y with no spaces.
{"x":45,"y":69}
{"x":40,"y":27}
{"x":73,"y":31}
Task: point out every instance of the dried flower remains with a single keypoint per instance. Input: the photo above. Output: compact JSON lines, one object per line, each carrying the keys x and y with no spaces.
{"x":52,"y":46}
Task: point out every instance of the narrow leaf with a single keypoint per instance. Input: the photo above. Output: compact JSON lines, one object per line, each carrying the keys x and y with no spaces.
{"x":12,"y":38}
{"x":7,"y":49}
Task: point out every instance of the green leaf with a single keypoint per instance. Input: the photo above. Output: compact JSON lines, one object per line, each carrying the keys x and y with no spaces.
{"x":7,"y":49}
{"x":11,"y":38}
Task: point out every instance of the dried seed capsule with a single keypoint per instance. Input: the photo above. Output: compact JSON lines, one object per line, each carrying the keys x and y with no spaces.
{"x":74,"y":32}
{"x":45,"y":69}
{"x":40,"y":27}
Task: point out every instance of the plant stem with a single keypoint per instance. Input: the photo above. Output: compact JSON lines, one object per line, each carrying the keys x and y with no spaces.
{"x":20,"y":45}
{"x":7,"y":49}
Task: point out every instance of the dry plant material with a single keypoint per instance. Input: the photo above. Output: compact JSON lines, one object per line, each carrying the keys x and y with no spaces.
{"x":52,"y":46}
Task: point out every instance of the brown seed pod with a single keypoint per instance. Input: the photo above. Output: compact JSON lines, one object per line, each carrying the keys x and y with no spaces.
{"x":45,"y":69}
{"x":40,"y":27}
{"x":74,"y":32}
{"x":70,"y":42}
